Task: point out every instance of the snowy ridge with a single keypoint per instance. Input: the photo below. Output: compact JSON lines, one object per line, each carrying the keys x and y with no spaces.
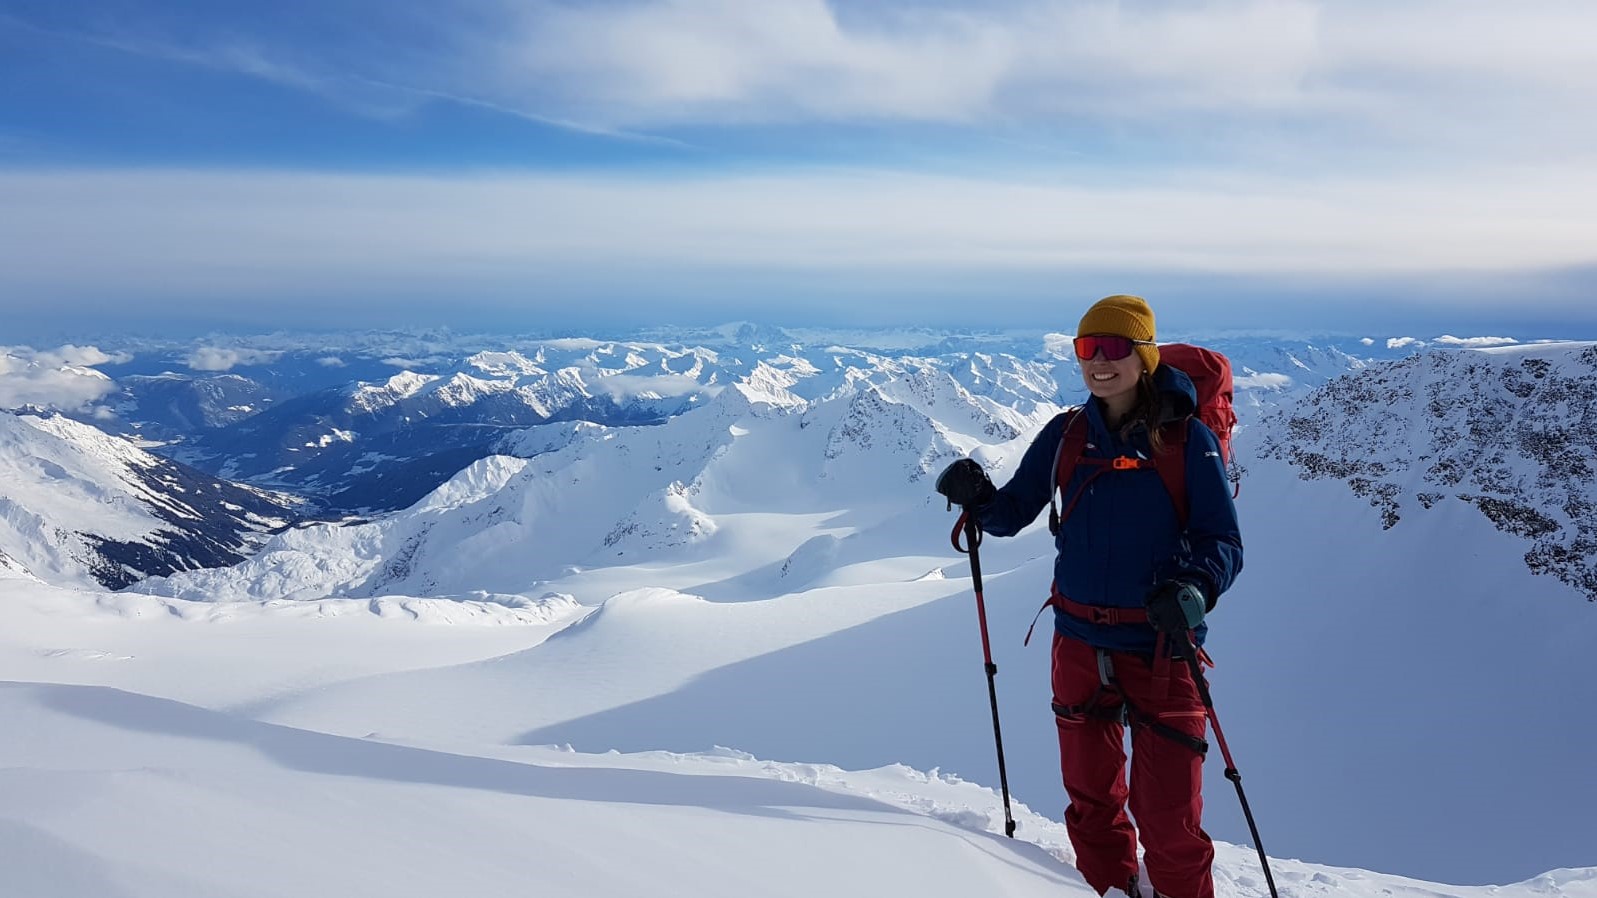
{"x":379,"y":444}
{"x":1511,"y":432}
{"x":589,"y":494}
{"x":83,"y":507}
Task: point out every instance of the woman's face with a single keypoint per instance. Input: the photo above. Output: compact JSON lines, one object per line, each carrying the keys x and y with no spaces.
{"x":1114,"y":382}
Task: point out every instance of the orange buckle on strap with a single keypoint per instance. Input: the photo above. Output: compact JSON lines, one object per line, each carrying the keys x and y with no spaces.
{"x":1126,"y":463}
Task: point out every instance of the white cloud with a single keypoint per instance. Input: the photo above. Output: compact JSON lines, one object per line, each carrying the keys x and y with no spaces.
{"x":216,"y":358}
{"x":72,"y":355}
{"x":1475,"y":342}
{"x":330,"y":361}
{"x":1465,"y":78}
{"x":671,"y":62}
{"x":621,"y":386}
{"x":1367,"y":341}
{"x":1262,"y":381}
{"x":1060,"y":346}
{"x":1403,"y":342}
{"x":51,"y":379}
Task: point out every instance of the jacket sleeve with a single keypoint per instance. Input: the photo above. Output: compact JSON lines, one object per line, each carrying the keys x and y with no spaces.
{"x":1018,"y":502}
{"x":1213,"y":546}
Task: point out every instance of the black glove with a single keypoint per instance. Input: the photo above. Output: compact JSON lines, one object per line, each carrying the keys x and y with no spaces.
{"x":1175,"y":606}
{"x":965,"y":483}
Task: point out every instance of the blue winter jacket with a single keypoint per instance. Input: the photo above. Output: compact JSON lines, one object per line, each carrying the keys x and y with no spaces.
{"x":1123,"y":535}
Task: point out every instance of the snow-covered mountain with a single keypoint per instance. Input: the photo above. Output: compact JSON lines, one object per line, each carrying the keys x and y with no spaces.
{"x":378,"y":446}
{"x":583,"y":494}
{"x":374,"y":446}
{"x":170,"y":406}
{"x":78,"y":506}
{"x":769,"y":571}
{"x":327,"y":417}
{"x":1511,"y":432}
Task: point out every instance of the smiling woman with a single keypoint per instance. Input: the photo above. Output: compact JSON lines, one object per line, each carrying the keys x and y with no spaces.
{"x":1142,"y":556}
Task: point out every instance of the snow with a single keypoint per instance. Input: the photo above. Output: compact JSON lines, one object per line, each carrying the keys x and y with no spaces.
{"x":124,"y":774}
{"x":790,"y":702}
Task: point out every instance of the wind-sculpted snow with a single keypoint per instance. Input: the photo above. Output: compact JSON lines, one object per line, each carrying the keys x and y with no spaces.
{"x":1511,"y":432}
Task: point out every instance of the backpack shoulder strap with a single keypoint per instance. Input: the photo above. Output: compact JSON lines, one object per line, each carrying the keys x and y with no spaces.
{"x":1172,"y":466}
{"x":1072,"y":443}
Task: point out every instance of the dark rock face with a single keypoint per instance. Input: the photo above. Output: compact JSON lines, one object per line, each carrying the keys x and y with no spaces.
{"x":1513,"y":434}
{"x":209,"y":523}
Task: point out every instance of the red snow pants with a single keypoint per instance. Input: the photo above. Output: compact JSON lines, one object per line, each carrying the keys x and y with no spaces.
{"x":1165,"y":787}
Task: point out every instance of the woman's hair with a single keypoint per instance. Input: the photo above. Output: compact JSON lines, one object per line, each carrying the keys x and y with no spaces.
{"x":1148,"y":411}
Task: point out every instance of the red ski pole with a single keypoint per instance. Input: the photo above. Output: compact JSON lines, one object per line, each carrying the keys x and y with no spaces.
{"x":1231,"y":772}
{"x":967,"y":523}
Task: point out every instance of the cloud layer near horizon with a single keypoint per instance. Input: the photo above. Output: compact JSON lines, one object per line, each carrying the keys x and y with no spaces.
{"x":222,"y":234}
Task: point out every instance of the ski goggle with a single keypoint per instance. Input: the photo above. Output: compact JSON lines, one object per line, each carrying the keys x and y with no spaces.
{"x":1114,"y":348}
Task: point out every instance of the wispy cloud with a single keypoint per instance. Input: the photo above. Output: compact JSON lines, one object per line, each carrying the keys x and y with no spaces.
{"x":1297,"y":78}
{"x":697,"y":61}
{"x":1381,"y":69}
{"x":265,"y":57}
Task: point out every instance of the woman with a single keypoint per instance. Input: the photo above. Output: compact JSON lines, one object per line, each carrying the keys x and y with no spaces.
{"x":1134,"y":577}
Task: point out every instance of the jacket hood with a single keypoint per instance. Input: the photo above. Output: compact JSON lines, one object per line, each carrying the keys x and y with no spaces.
{"x":1178,"y":398}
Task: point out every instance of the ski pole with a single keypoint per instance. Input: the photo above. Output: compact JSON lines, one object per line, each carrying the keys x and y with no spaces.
{"x":1231,"y":772}
{"x":973,"y":540}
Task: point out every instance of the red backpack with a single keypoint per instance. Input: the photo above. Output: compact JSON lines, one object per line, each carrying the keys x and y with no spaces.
{"x":1210,"y":372}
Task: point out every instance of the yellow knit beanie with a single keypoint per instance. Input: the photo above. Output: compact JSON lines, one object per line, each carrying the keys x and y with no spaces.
{"x":1125,"y":316}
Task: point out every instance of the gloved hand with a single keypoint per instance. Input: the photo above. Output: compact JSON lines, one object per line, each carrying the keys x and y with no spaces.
{"x":965,"y":483}
{"x":1174,"y":606}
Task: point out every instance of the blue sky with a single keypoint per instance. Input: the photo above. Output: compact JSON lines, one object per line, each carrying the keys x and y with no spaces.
{"x":495,"y":164}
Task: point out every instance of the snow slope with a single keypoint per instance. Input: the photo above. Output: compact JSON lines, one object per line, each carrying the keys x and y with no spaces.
{"x":168,"y":787}
{"x":78,"y":506}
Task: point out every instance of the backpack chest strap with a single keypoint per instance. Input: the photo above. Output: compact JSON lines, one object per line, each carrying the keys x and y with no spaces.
{"x":1170,"y":464}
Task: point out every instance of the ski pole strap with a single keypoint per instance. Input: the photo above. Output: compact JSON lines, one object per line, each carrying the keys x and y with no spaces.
{"x":959,"y":526}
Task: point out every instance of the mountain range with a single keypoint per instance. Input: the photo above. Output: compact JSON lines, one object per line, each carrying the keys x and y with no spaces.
{"x":1408,"y":519}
